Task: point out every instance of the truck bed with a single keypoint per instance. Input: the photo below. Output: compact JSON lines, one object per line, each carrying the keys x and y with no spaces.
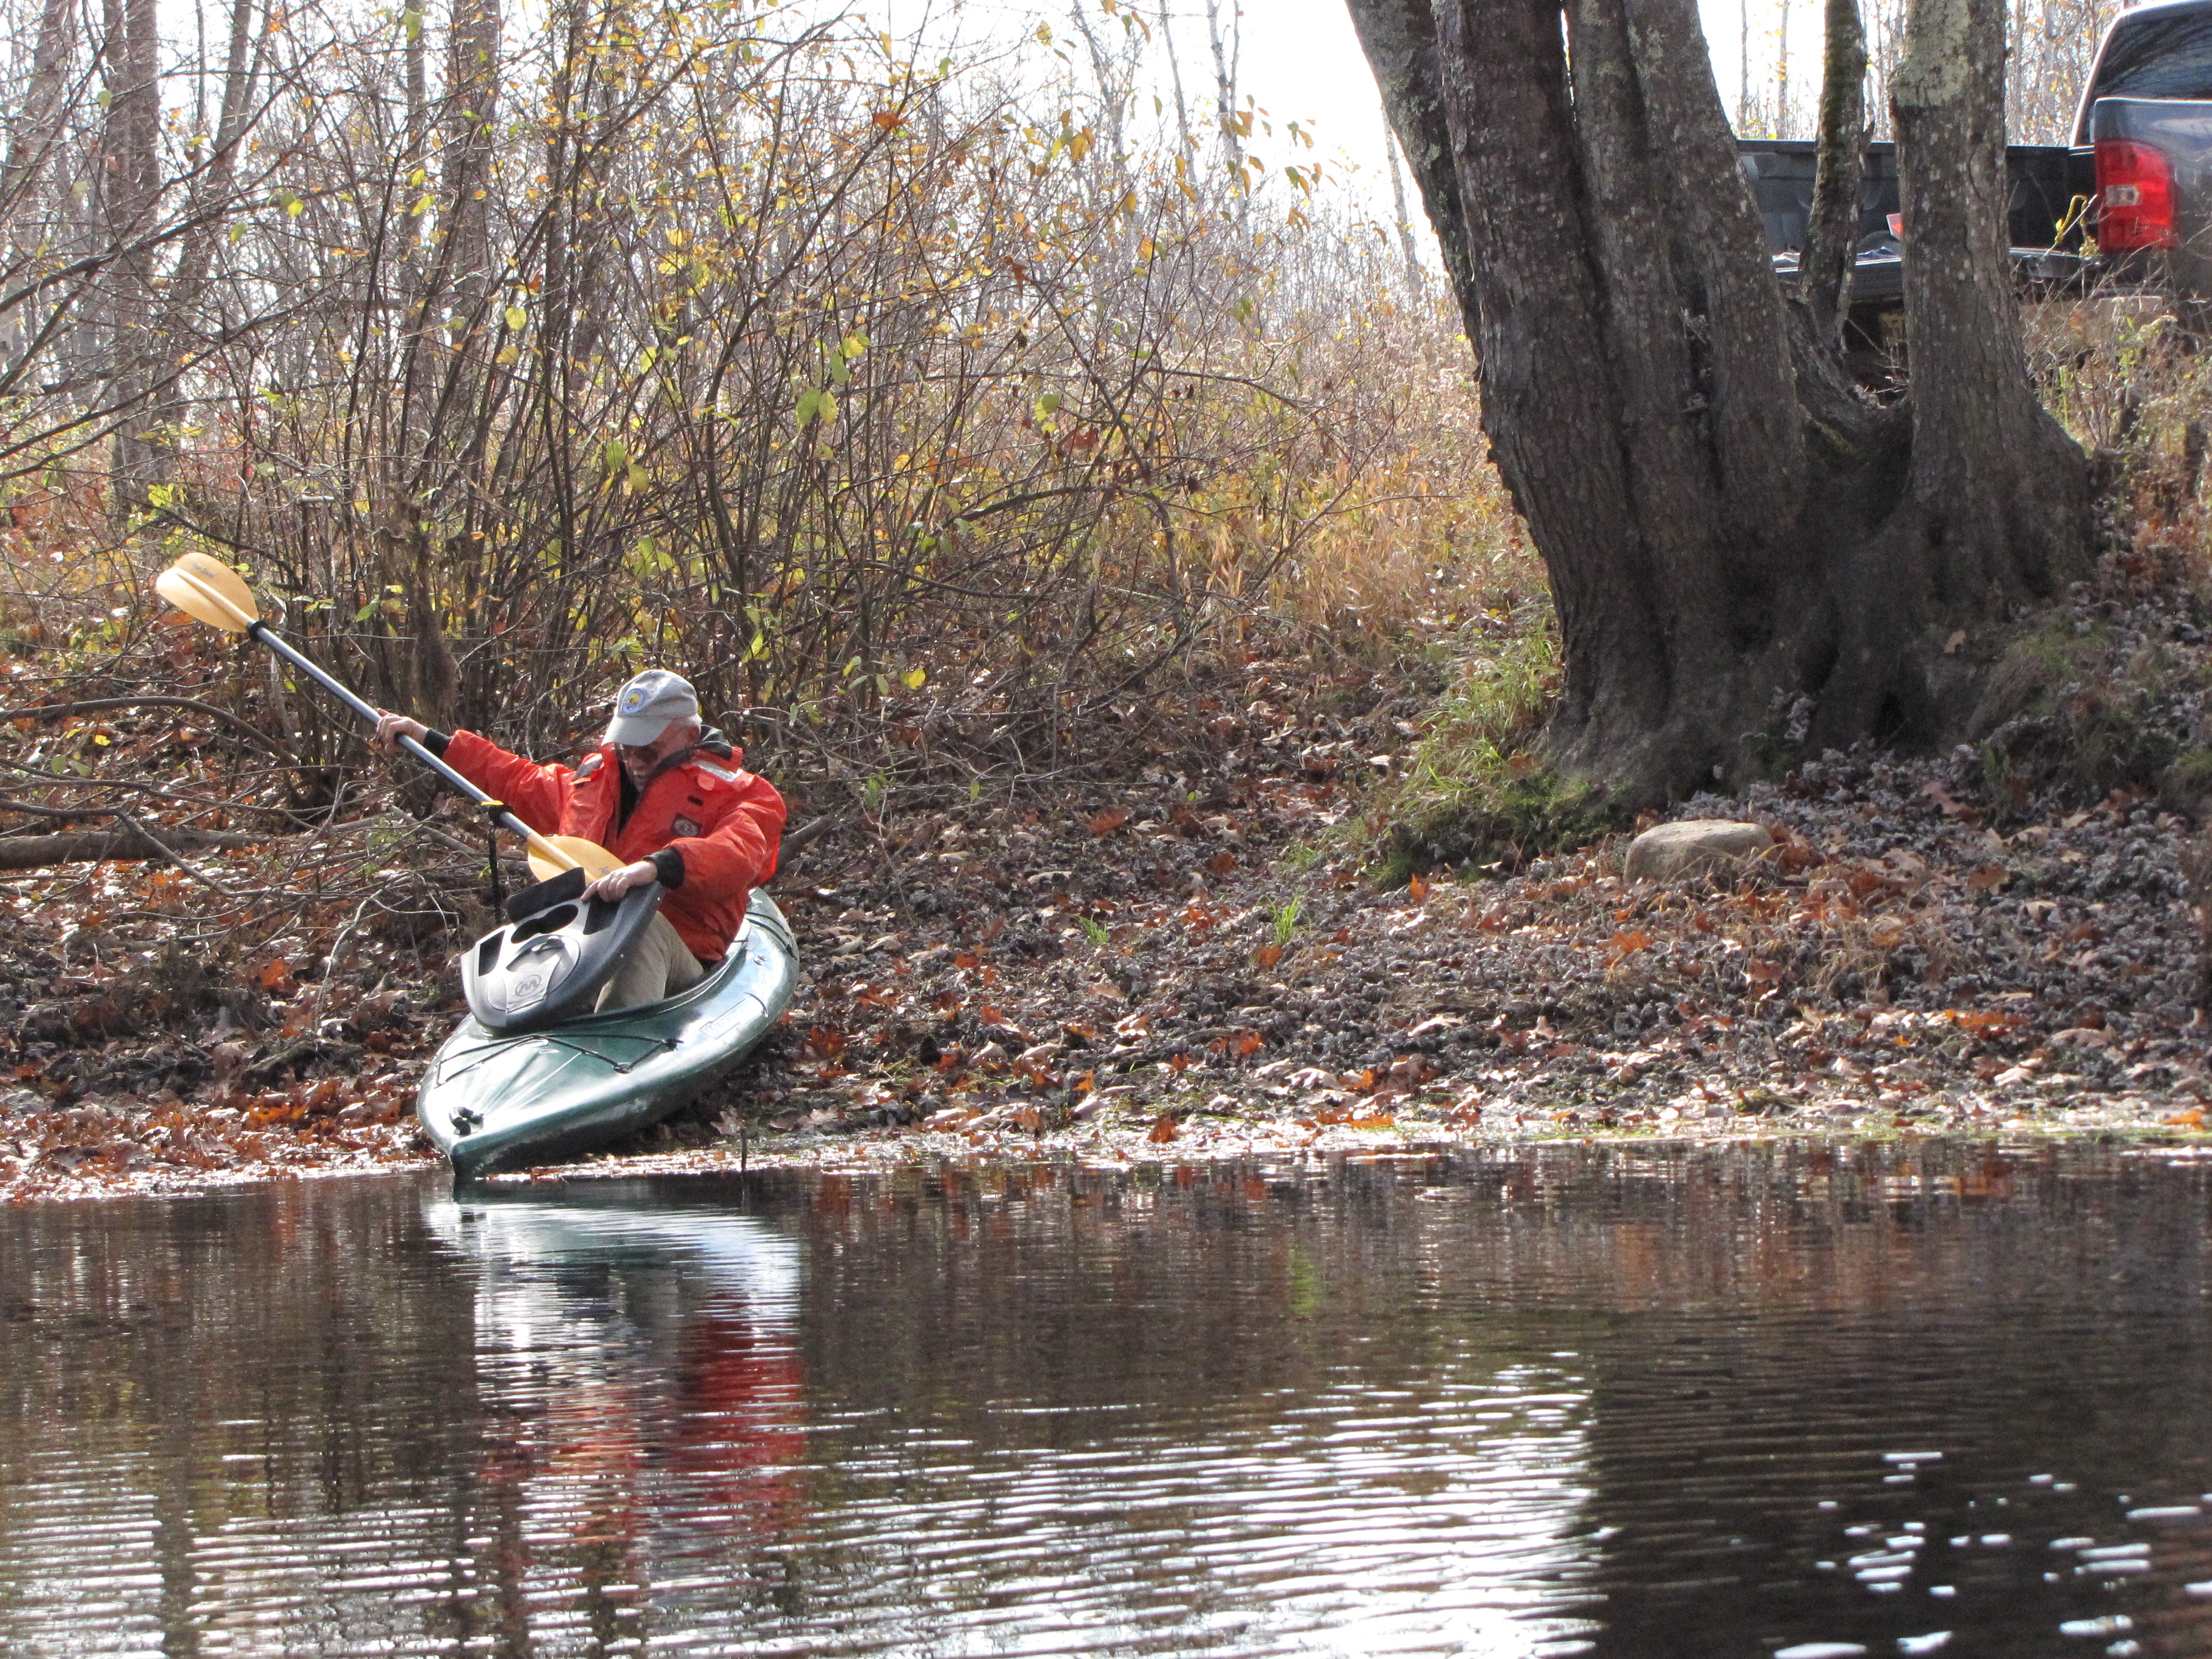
{"x":2046,"y":179}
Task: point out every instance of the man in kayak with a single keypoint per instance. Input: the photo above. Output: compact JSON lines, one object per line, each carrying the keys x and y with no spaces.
{"x":663,"y":793}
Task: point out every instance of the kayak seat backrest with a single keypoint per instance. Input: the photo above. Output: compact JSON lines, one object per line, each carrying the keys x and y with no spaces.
{"x":549,"y":966}
{"x":547,"y":921}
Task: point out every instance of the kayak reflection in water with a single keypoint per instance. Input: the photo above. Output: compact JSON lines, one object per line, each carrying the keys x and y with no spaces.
{"x":647,"y":1360}
{"x":666,"y":796}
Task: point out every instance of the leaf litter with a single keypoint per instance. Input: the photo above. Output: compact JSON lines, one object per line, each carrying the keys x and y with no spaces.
{"x":1175,"y":949}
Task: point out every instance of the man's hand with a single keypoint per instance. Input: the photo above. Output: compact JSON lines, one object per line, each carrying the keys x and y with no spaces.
{"x":390,"y":727}
{"x":616,"y":883}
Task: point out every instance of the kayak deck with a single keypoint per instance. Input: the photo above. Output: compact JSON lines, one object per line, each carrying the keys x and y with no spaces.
{"x":494,"y":1101}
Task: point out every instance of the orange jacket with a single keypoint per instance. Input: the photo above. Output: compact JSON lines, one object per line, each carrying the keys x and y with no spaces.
{"x":723,"y":824}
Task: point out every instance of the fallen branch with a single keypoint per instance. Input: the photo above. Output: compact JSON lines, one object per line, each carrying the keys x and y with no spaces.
{"x":174,"y":856}
{"x":36,"y":852}
{"x":54,"y":711}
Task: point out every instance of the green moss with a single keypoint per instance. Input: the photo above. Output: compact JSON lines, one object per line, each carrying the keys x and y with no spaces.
{"x":1475,"y":792}
{"x":2062,"y":710}
{"x":2190,"y":777}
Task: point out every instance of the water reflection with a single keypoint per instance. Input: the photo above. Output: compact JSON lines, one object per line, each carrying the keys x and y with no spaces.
{"x":643,"y":1363}
{"x":1632,"y":1403}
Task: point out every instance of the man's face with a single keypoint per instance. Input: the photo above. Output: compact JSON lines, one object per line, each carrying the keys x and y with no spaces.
{"x":642,"y":761}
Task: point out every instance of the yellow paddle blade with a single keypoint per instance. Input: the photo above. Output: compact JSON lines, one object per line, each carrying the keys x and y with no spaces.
{"x":207,"y":590}
{"x":592,"y":858}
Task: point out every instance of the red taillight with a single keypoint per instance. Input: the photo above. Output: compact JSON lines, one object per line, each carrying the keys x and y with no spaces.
{"x":2135,"y":197}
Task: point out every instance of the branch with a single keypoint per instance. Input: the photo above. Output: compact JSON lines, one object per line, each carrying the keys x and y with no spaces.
{"x":53,"y":711}
{"x":174,"y":856}
{"x":36,"y":852}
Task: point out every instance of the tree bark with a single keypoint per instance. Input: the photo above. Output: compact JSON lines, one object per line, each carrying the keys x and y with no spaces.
{"x":1416,"y":280}
{"x":1745,"y":557}
{"x":132,"y":191}
{"x":87,"y":846}
{"x":2000,"y":489}
{"x":1832,"y":238}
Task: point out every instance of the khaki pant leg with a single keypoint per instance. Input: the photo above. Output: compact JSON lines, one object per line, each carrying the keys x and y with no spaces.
{"x":660,"y":964}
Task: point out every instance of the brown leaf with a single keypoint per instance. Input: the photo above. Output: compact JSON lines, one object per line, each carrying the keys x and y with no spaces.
{"x":2191,"y":1119}
{"x":1951,"y":808}
{"x":1267,"y":956}
{"x":1988,"y":878}
{"x":1624,"y":944}
{"x":1242,"y":1043}
{"x":1109,"y":821}
{"x":1222,"y":864}
{"x":274,"y":973}
{"x":1417,"y":889}
{"x":1983,"y":1023}
{"x":1163,"y":1130}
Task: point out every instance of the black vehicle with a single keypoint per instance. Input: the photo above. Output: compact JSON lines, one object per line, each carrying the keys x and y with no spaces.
{"x":2048,"y":180}
{"x":2129,"y":200}
{"x":2144,"y":133}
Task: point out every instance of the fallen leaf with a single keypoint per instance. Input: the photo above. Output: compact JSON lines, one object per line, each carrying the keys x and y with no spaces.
{"x":276,"y":975}
{"x":1417,"y":889}
{"x":1982,"y":1024}
{"x":1222,"y":864}
{"x":2191,"y":1119}
{"x":1163,"y":1130}
{"x":1624,"y":944}
{"x":1988,"y":878}
{"x":1949,"y":805}
{"x":1267,"y":956}
{"x":1109,"y":821}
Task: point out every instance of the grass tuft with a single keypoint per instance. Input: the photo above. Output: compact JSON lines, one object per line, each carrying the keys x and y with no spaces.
{"x":1477,"y":793}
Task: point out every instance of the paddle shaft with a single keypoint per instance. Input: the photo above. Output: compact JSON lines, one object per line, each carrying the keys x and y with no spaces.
{"x":505,"y":819}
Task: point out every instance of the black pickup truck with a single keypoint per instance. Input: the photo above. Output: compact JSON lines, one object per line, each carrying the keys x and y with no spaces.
{"x":2046,"y":179}
{"x":2139,"y":163}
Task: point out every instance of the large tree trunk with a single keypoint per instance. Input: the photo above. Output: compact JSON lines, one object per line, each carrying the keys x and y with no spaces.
{"x":1745,"y":557}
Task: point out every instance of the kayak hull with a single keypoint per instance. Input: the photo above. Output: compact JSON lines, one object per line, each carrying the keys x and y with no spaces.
{"x":499,"y":1100}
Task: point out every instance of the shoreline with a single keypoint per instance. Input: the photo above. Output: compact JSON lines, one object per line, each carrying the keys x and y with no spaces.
{"x":1132,"y":1144}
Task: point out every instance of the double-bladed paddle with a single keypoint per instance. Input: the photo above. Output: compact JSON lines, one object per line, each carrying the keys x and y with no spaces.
{"x":209,"y":591}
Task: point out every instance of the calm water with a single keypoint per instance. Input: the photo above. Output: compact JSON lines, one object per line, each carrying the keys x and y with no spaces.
{"x":1578,"y":1402}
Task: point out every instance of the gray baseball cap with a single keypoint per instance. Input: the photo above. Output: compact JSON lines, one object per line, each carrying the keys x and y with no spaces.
{"x":644,"y":707}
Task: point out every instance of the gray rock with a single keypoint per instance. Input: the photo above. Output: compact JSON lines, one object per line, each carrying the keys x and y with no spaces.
{"x":1694,"y":847}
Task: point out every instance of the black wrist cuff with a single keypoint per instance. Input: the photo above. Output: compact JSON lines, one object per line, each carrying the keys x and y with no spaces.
{"x":435,"y":741}
{"x":670,"y":863}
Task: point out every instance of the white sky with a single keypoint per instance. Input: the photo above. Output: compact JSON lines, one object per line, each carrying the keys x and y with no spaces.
{"x":1301,"y":62}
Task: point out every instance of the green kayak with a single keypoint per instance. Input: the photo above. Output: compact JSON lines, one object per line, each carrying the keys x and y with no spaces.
{"x":496,"y":1100}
